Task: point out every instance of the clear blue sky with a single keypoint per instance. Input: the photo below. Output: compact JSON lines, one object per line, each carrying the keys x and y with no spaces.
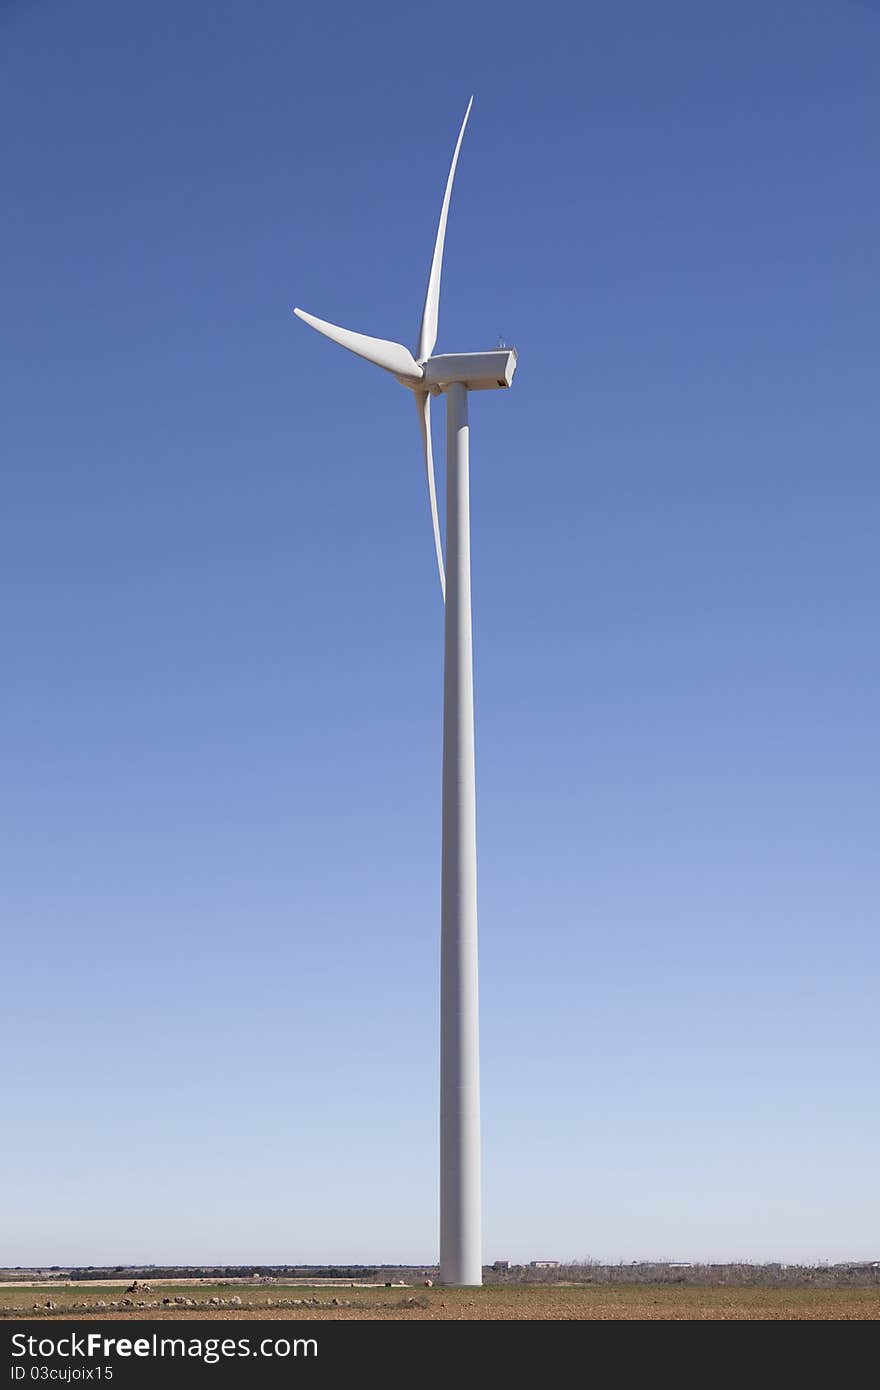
{"x":221,"y":627}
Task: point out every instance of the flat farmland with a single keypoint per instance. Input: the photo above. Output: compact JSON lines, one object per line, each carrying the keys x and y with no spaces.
{"x":578,"y":1302}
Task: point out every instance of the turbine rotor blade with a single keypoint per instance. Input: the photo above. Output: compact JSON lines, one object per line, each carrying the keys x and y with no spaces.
{"x":431,"y":311}
{"x":392,"y":357}
{"x":423,"y":404}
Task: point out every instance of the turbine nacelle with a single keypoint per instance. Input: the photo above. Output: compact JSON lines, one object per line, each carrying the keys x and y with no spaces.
{"x":477,"y":371}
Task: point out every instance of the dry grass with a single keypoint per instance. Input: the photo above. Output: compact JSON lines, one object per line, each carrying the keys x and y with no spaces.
{"x":594,"y":1302}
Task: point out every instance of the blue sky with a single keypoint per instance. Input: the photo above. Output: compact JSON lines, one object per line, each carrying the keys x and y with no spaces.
{"x":222,"y":632}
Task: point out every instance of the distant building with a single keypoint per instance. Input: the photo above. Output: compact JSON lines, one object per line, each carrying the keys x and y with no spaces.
{"x":544,"y":1264}
{"x":501,"y":1266}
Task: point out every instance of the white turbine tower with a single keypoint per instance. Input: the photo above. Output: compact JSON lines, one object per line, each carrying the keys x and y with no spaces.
{"x":427,"y":376}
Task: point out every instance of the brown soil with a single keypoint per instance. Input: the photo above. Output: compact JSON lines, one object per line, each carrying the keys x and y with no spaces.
{"x":533,"y":1302}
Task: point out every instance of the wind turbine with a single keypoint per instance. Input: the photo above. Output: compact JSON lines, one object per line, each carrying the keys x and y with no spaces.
{"x":453,"y":375}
